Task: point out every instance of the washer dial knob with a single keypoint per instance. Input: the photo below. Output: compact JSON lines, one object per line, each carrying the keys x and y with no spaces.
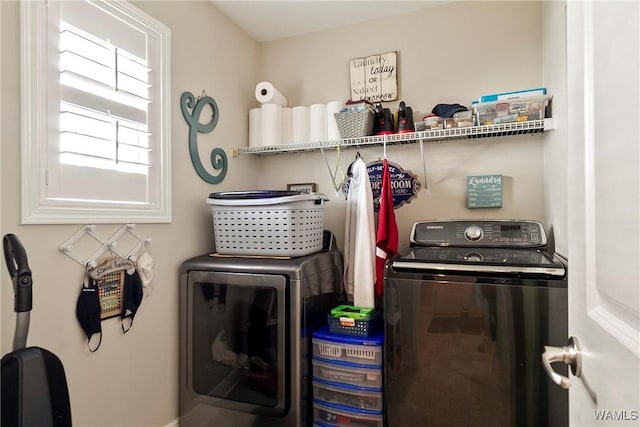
{"x":473,"y":233}
{"x":474,"y":257}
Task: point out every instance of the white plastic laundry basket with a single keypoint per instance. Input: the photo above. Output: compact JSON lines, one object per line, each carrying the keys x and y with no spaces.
{"x":268,"y":223}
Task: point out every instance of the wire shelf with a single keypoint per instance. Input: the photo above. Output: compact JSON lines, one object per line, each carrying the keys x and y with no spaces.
{"x":436,"y":135}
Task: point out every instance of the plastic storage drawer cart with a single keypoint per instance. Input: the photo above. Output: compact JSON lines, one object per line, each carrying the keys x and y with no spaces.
{"x":347,"y":348}
{"x":347,"y":373}
{"x":347,"y":379}
{"x":347,"y":395}
{"x":267,"y":223}
{"x":327,"y":415}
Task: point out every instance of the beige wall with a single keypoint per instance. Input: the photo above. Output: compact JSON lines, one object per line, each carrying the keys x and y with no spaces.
{"x":447,"y":54}
{"x":132,"y":379}
{"x":556,"y":154}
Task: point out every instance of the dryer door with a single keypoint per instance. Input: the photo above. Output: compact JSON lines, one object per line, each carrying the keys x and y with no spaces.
{"x":237,"y":340}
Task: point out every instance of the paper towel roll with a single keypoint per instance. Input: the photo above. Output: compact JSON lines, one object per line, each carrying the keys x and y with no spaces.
{"x":300,"y":124}
{"x":318,"y":122}
{"x":271,"y":124}
{"x":286,"y":126}
{"x":255,"y":126}
{"x":333,"y":133}
{"x":266,"y":93}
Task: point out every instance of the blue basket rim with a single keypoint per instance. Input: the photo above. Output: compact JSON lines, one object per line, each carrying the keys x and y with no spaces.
{"x":345,"y":363}
{"x":347,"y":408}
{"x":345,"y":386}
{"x":375,"y":340}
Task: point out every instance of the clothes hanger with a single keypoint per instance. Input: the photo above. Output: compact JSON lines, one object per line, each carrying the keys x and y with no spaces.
{"x":424,"y":169}
{"x":350,"y":168}
{"x":384,"y":147}
{"x":338,"y":169}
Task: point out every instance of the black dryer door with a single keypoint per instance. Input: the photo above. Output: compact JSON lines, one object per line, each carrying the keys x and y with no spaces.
{"x":237,"y":341}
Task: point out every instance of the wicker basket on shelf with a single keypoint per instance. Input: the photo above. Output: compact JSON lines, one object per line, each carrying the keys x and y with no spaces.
{"x":354,"y":124}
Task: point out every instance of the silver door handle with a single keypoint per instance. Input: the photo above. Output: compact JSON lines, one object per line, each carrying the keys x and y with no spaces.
{"x":569,"y":355}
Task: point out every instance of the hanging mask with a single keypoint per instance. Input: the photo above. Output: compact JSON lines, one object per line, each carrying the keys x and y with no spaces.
{"x":131,"y":299}
{"x":88,"y":314}
{"x":144,"y":265}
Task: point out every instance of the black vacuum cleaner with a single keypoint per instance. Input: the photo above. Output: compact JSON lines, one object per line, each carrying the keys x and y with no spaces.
{"x":34,"y":385}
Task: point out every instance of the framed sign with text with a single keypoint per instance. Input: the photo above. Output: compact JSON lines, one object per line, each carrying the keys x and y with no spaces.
{"x":374,"y":77}
{"x":404,"y":184}
{"x":484,"y":191}
{"x":305,"y":187}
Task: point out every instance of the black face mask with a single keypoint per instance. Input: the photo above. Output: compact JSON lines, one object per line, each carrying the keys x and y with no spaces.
{"x":131,"y":299}
{"x":88,"y":314}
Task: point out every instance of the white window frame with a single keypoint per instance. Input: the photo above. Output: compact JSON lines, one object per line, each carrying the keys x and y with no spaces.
{"x":37,"y":111}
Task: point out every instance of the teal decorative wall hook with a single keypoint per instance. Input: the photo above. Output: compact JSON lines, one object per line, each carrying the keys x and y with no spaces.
{"x":218,"y":156}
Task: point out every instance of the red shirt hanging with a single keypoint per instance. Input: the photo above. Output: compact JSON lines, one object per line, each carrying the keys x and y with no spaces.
{"x":387,"y":236}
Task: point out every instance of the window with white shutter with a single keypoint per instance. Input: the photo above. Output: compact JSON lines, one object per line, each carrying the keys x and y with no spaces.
{"x":96,"y":114}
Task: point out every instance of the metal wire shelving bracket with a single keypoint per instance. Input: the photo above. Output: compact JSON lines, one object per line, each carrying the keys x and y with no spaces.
{"x":106,"y":244}
{"x":436,"y":135}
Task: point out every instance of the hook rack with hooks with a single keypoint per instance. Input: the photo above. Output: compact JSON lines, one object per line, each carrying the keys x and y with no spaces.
{"x":111,"y":244}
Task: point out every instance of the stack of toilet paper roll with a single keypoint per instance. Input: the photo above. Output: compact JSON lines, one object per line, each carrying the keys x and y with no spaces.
{"x":274,"y":123}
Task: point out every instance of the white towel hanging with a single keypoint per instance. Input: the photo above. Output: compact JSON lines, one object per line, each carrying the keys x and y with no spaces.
{"x":359,"y":248}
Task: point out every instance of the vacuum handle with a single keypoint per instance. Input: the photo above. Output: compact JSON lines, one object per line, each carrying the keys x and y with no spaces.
{"x":18,"y":266}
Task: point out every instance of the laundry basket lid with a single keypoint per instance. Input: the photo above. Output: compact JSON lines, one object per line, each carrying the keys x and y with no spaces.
{"x":262,"y":197}
{"x":252,"y":194}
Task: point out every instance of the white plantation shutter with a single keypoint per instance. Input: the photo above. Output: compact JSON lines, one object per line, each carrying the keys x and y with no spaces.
{"x":107,"y":122}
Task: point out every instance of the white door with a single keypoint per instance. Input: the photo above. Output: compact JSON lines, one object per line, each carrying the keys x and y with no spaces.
{"x":603,"y":45}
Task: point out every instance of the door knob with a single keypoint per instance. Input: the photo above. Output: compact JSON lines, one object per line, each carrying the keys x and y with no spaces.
{"x":569,"y":355}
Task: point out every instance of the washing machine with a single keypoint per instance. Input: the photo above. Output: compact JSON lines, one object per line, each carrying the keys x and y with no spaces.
{"x":469,"y":307}
{"x":245,"y":336}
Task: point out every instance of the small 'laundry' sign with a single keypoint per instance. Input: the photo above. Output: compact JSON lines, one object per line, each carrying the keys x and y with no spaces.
{"x":484,"y":191}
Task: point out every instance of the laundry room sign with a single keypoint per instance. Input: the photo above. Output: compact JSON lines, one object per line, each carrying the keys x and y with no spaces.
{"x":404,"y":184}
{"x":484,"y":191}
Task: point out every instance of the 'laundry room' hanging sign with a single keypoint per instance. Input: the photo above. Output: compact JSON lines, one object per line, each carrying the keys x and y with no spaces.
{"x":404,"y":184}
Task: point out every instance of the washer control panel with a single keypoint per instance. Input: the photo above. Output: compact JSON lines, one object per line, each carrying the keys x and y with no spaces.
{"x":487,"y":233}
